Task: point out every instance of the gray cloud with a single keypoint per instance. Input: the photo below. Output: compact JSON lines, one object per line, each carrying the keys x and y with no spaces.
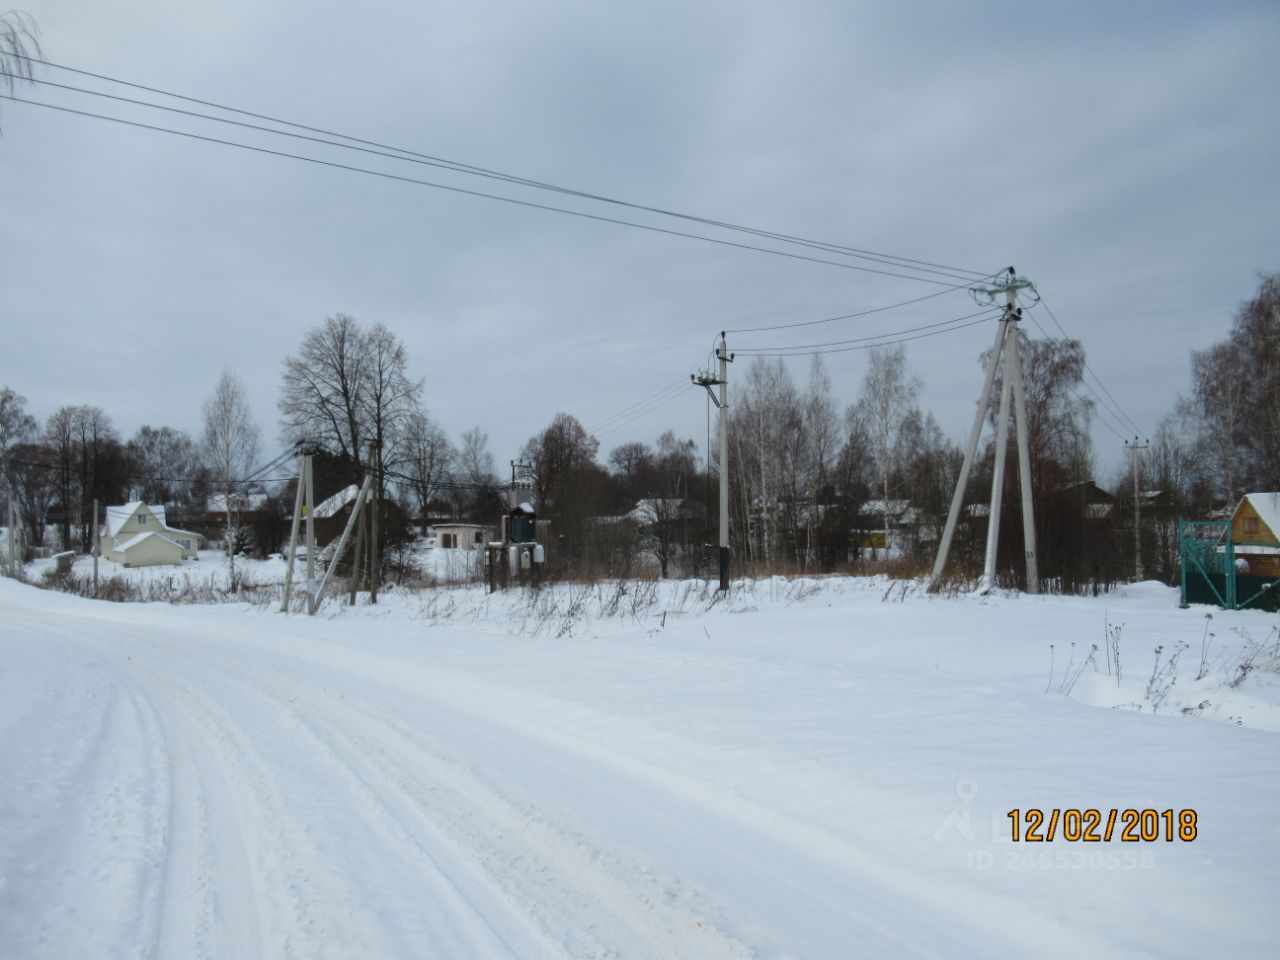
{"x":1118,"y":156}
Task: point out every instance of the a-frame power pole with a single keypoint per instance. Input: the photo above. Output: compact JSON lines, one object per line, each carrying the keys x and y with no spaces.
{"x":1006,"y":346}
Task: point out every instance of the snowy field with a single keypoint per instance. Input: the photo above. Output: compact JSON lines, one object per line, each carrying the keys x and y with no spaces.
{"x":808,"y":770}
{"x":210,"y":569}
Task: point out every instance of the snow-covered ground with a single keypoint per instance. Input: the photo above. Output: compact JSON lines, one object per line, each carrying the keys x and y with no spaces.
{"x":210,"y":569}
{"x":811,"y":769}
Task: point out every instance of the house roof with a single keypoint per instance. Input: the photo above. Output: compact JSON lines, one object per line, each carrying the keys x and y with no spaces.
{"x":139,"y":537}
{"x":1267,"y":506}
{"x":118,"y":516}
{"x":333,"y":506}
{"x":649,"y":509}
{"x":891,"y":507}
{"x":217,"y":503}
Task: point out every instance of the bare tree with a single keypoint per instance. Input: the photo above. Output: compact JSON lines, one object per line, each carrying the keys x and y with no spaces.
{"x":474,"y":467}
{"x":160,"y":459}
{"x":1236,"y":385}
{"x":559,"y":454}
{"x":323,"y":391}
{"x":349,"y":388}
{"x":428,"y":457}
{"x":389,"y":398}
{"x":19,"y":46}
{"x":16,"y":427}
{"x":59,"y":437}
{"x":231,"y":444}
{"x":888,"y":396}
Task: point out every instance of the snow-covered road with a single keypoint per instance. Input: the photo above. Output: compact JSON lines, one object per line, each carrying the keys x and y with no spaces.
{"x":818,"y":779}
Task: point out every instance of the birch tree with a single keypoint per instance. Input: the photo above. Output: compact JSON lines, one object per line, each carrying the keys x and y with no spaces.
{"x":888,"y":396}
{"x":231,"y":441}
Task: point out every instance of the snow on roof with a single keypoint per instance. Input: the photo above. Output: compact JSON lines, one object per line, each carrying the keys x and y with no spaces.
{"x":118,"y":516}
{"x":650,"y":509}
{"x":139,"y":537}
{"x":217,"y":503}
{"x":525,"y":507}
{"x":895,"y":507}
{"x":1267,"y":506}
{"x":334,"y":504}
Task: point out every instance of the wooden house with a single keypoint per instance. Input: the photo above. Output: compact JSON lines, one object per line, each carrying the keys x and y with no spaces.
{"x":1255,"y":533}
{"x":136,"y":535}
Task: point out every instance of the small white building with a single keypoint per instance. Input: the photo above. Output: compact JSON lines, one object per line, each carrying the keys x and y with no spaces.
{"x":462,"y":536}
{"x":136,"y":535}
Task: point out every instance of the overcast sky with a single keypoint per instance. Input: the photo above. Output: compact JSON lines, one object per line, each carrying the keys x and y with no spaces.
{"x":1120,"y":155}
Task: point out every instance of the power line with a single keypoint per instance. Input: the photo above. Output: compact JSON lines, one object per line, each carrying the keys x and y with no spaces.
{"x":474,"y":193}
{"x":680,"y":385}
{"x":850,"y":316}
{"x":1123,"y":416}
{"x":470,"y":169}
{"x":883,"y":343}
{"x":989,"y":312}
{"x":626,"y":422}
{"x":1099,"y":402}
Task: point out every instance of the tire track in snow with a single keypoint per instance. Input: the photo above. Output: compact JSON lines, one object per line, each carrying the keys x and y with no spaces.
{"x":575,"y":893}
{"x":549,"y":890}
{"x":177,"y":902}
{"x":460,"y":928}
{"x":881,"y":903}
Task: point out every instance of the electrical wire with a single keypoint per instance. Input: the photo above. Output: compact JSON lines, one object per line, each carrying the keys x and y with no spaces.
{"x":1099,"y":402}
{"x":1122,"y":417}
{"x":874,"y":256}
{"x":881,"y":343}
{"x":752,"y":351}
{"x":850,"y":316}
{"x":680,"y":385}
{"x":630,"y":420}
{"x":475,"y":193}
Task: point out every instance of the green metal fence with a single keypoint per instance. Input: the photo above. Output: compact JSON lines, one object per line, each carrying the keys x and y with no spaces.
{"x":1207,"y":558}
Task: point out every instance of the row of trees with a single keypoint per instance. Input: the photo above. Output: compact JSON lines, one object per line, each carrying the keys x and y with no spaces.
{"x":812,"y":487}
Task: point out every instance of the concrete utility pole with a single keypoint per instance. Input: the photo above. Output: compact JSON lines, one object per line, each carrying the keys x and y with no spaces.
{"x":1006,"y":345}
{"x":11,"y":541}
{"x":311,"y":535}
{"x":303,"y":506}
{"x":375,"y":556}
{"x":1135,"y":450}
{"x":707,"y":381}
{"x":97,"y":546}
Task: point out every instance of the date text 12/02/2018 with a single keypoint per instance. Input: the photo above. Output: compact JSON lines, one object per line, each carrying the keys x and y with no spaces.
{"x":1091,"y":825}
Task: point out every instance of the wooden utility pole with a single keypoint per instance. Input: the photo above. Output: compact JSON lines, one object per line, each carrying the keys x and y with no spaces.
{"x":1135,"y":448}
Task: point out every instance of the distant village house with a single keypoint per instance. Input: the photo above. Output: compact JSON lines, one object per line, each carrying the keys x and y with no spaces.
{"x":136,"y":535}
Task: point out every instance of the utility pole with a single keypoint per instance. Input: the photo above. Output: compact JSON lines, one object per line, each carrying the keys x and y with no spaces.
{"x":97,"y":546}
{"x":311,"y":535}
{"x":707,"y":381}
{"x":375,"y":555}
{"x":1135,"y":449}
{"x":1006,"y":345}
{"x":298,"y":497}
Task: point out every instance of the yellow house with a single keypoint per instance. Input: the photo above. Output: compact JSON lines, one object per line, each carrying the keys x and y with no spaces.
{"x":1255,"y":533}
{"x":136,"y":535}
